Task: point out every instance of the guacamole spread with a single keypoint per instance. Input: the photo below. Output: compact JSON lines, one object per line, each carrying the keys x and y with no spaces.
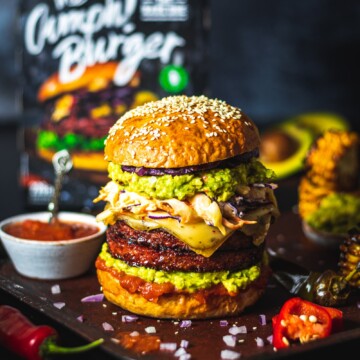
{"x":189,"y":281}
{"x":219,"y":184}
{"x":337,"y":213}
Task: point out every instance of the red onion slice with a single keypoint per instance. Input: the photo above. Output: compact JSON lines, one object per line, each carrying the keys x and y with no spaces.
{"x":159,"y":217}
{"x":226,"y":163}
{"x":224,"y":323}
{"x":168,"y":346}
{"x":229,"y":355}
{"x":184,"y":344}
{"x":59,"y":305}
{"x":262,"y":319}
{"x":107,"y":327}
{"x":270,"y":339}
{"x":185,"y":356}
{"x":179,"y":352}
{"x":55,"y":289}
{"x":238,"y":330}
{"x":129,"y":318}
{"x":229,"y":340}
{"x":93,"y":298}
{"x":185,"y":323}
{"x":150,"y":330}
{"x":259,"y":342}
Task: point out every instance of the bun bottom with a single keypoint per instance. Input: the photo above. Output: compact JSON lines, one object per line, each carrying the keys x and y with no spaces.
{"x":181,"y":305}
{"x":91,"y":161}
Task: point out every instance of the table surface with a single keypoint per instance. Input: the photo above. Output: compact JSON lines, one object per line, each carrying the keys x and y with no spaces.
{"x":12,"y":204}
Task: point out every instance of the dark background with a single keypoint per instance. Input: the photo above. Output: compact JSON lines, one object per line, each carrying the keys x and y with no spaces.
{"x":273,"y":59}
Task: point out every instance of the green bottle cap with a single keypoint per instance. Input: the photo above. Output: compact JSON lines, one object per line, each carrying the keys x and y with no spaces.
{"x":173,"y":78}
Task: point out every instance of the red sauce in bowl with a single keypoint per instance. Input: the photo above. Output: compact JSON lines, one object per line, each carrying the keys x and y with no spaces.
{"x":57,"y":230}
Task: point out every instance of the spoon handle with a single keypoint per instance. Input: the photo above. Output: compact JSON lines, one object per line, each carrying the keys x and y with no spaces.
{"x":62,"y":164}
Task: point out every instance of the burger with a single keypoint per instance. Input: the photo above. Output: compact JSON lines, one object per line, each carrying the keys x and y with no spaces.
{"x":188,"y":207}
{"x":78,"y":114}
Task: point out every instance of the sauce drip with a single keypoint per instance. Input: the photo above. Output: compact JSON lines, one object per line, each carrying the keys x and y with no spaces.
{"x":57,"y":230}
{"x":140,"y":343}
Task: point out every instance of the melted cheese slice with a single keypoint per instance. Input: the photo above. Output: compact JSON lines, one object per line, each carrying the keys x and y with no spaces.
{"x":200,"y":237}
{"x":198,"y":221}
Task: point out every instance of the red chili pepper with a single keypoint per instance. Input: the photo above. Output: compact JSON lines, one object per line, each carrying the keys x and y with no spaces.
{"x":31,"y":342}
{"x":302,"y":321}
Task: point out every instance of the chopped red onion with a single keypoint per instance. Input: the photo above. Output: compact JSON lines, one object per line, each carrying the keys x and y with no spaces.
{"x":229,"y":340}
{"x":80,"y":318}
{"x":59,"y":305}
{"x":185,"y":323}
{"x":224,"y":323}
{"x":358,"y":304}
{"x":230,"y":355}
{"x":93,"y":298}
{"x":150,"y":330}
{"x":107,"y":327}
{"x":168,"y":346}
{"x":180,"y":351}
{"x":272,"y":186}
{"x":184,"y":344}
{"x":164,"y":217}
{"x":268,"y":185}
{"x":270,"y":339}
{"x":185,"y":356}
{"x":129,"y":318}
{"x":234,"y":330}
{"x":55,"y":289}
{"x":262,"y":319}
{"x":259,"y":341}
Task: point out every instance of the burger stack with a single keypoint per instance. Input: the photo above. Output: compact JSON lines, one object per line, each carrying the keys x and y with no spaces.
{"x":188,"y":207}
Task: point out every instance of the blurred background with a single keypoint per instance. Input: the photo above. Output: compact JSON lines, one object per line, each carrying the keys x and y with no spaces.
{"x":274,"y":59}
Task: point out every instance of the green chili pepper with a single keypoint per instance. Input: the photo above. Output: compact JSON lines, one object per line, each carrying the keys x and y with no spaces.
{"x":326,"y":288}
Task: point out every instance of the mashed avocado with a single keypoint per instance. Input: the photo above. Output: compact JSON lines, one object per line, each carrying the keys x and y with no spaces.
{"x":219,"y":184}
{"x":337,"y":214}
{"x":189,"y":281}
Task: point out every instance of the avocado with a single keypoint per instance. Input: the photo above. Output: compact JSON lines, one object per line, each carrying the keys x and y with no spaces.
{"x":285,"y":146}
{"x":319,"y":122}
{"x":220,"y":184}
{"x":284,"y":149}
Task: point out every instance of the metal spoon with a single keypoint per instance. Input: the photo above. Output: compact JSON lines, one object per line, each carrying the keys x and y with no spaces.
{"x":62,"y":164}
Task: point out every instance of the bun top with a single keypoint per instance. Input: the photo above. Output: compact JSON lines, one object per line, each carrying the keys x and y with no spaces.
{"x":94,"y":78}
{"x":180,"y":131}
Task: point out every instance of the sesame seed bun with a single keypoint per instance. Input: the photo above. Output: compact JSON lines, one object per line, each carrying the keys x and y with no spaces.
{"x":180,"y":131}
{"x":182,"y":305}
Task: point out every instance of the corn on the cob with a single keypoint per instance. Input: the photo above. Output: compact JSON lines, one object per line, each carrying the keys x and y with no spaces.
{"x":350,"y":257}
{"x":332,"y":165}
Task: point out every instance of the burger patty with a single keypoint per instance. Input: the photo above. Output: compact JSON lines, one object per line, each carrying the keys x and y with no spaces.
{"x":160,"y":250}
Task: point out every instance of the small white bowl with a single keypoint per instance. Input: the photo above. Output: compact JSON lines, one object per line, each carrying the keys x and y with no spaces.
{"x":51,"y":260}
